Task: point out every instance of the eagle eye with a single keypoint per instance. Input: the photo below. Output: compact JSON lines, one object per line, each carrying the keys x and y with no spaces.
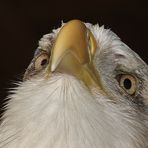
{"x":41,"y":61}
{"x":128,"y":83}
{"x":44,"y":62}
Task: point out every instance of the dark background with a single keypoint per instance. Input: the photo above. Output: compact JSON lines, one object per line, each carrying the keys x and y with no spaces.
{"x":22,"y":24}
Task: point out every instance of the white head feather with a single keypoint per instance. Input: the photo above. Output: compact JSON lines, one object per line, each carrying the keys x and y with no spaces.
{"x":62,"y":113}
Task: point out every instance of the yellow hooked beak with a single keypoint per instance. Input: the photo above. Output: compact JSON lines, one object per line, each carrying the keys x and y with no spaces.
{"x":73,"y":53}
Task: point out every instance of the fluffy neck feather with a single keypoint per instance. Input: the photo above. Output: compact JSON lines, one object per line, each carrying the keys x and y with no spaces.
{"x":62,"y":113}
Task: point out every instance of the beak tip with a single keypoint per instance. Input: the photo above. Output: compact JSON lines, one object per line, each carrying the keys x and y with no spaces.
{"x":52,"y":68}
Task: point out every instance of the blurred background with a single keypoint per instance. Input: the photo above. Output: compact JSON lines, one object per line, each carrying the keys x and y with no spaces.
{"x":22,"y":24}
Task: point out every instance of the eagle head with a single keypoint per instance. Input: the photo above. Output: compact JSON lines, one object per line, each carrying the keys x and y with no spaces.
{"x":84,"y":88}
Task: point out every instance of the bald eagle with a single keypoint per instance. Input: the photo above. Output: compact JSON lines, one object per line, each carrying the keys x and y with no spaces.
{"x":84,"y":88}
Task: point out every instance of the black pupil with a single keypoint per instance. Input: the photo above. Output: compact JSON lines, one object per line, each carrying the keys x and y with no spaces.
{"x":44,"y":61}
{"x":127,"y":83}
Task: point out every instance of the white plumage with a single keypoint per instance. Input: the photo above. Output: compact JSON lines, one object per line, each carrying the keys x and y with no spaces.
{"x":61,"y":112}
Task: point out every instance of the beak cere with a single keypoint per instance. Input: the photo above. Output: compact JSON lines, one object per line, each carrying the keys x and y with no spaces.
{"x":73,"y":53}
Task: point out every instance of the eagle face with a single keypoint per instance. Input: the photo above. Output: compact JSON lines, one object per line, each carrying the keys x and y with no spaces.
{"x":84,"y":88}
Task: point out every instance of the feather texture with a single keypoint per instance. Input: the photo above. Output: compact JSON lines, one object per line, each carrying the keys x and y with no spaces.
{"x":60,"y":112}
